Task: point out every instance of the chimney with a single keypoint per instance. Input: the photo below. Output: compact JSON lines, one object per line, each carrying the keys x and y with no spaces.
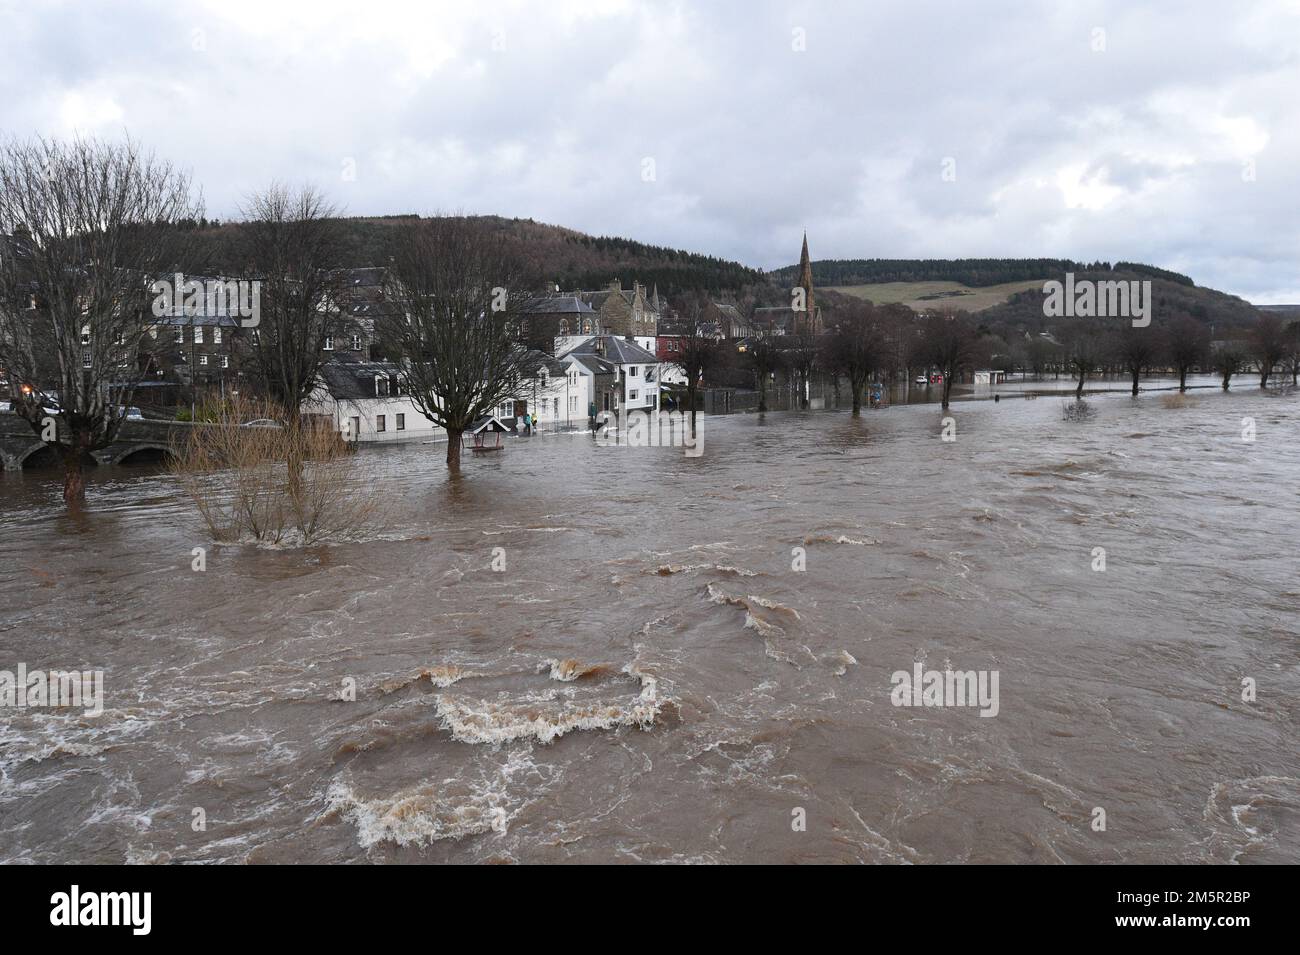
{"x":615,"y":285}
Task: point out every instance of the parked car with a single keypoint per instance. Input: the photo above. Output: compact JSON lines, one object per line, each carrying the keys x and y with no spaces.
{"x":922,"y":380}
{"x":262,"y":423}
{"x":131,"y":414}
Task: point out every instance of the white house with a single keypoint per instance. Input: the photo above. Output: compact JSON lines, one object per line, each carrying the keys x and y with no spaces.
{"x":546,"y":393}
{"x":365,"y":400}
{"x":634,"y":374}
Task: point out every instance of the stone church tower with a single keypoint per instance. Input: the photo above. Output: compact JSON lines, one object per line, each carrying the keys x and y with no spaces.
{"x":810,"y":319}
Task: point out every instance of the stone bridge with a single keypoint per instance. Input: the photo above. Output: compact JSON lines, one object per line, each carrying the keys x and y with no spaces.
{"x":20,"y":445}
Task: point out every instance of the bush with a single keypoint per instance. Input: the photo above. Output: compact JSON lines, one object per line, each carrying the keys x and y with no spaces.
{"x":281,"y":481}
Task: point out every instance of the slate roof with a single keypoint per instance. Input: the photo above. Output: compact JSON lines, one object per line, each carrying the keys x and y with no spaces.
{"x":595,"y":364}
{"x":534,"y":361}
{"x":618,"y":350}
{"x":558,"y":305}
{"x":355,"y":379}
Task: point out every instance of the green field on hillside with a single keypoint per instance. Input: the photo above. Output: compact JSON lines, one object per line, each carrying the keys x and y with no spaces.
{"x":923,"y":295}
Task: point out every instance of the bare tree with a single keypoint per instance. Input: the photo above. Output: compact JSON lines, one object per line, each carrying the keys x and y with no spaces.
{"x":1135,"y":349}
{"x":1268,"y":345}
{"x":801,"y":356}
{"x":290,"y":241}
{"x":764,"y":360}
{"x":463,"y":293}
{"x":1186,"y":345}
{"x":1292,"y":355}
{"x":1229,"y":359}
{"x":855,"y":347}
{"x":701,"y":349}
{"x":949,"y":343}
{"x":90,"y":224}
{"x":1084,"y":350}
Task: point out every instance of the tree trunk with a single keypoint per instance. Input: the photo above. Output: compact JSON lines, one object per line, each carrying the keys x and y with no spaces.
{"x":1226,"y":376}
{"x":1182,"y":380}
{"x":947,"y":390}
{"x":74,"y":477}
{"x":690,"y":398}
{"x":1263,"y":377}
{"x":1078,"y":392}
{"x":453,"y":449}
{"x":857,"y":403}
{"x":1136,"y":373}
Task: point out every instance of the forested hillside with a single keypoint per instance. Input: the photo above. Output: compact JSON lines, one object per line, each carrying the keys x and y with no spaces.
{"x":973,"y":272}
{"x":568,"y":258}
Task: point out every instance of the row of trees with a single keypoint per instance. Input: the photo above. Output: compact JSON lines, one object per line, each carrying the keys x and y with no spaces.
{"x":865,"y":343}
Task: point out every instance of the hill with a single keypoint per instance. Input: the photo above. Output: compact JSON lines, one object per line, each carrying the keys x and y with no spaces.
{"x":973,"y":273}
{"x":566,"y":257}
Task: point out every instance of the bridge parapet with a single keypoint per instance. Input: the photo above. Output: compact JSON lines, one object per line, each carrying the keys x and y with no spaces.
{"x":18,"y":441}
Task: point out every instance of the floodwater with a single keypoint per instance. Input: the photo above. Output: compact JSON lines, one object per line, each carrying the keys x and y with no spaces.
{"x":648,"y":679}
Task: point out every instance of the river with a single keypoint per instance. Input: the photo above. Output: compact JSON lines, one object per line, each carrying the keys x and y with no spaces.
{"x":649,"y":678}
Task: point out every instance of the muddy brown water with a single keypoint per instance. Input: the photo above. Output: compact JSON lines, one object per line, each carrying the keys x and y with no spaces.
{"x":648,"y":679}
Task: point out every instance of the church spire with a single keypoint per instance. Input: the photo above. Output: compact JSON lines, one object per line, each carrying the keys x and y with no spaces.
{"x":806,"y":283}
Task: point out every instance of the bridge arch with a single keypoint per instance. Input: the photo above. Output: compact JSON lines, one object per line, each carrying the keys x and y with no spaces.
{"x":152,"y":452}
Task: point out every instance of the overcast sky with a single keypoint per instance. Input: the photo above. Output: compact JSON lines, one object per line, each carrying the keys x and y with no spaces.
{"x":1161,"y":132}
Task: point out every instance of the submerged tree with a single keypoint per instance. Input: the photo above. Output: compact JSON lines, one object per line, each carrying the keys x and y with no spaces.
{"x":949,"y":343}
{"x":1186,"y":345}
{"x":1136,"y":350}
{"x":764,"y":360}
{"x":89,"y":224}
{"x":1227,"y":360}
{"x":460,"y":293}
{"x":701,"y":352}
{"x":1084,"y":351}
{"x":1268,"y":345}
{"x":855,"y":347}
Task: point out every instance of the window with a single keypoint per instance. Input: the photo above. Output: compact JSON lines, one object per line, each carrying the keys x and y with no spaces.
{"x":631,"y":371}
{"x":381,"y":423}
{"x":85,"y":359}
{"x":631,"y":396}
{"x":257,"y":337}
{"x":555,"y":407}
{"x":381,"y":387}
{"x":203,"y":359}
{"x":216,"y":336}
{"x":356,"y":343}
{"x":180,"y":336}
{"x":85,"y":335}
{"x":225,"y":361}
{"x":329,"y":342}
{"x":401,"y":422}
{"x":198,"y":335}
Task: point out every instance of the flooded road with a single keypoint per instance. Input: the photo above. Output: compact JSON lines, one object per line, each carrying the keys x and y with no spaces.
{"x":648,"y":679}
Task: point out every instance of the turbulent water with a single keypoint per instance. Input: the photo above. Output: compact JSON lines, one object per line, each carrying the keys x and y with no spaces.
{"x":648,"y":679}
